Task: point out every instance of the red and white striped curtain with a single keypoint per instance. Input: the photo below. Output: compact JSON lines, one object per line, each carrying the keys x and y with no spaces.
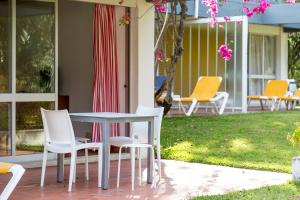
{"x":105,"y":83}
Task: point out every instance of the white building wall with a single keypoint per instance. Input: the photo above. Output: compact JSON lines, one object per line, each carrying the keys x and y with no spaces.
{"x":142,"y":55}
{"x":282,"y":55}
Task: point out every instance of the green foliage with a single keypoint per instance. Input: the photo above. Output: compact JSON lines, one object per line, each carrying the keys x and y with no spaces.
{"x":35,"y":40}
{"x":35,"y":53}
{"x":3,"y":117}
{"x":287,"y":191}
{"x":254,"y":141}
{"x":294,"y":138}
{"x":29,"y":116}
{"x":4,"y":54}
{"x":294,"y":55}
{"x":34,"y":148}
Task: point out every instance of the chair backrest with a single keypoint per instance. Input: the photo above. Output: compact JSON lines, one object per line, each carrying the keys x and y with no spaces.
{"x":276,"y":88}
{"x":140,"y":129}
{"x":206,"y":87}
{"x":58,"y":127}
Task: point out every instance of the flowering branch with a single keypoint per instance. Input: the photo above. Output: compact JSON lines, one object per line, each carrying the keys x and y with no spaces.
{"x":168,"y":21}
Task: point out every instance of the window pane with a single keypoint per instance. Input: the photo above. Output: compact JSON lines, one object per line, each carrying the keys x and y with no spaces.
{"x":256,"y":52}
{"x":234,"y":65}
{"x":35,"y":47}
{"x":255,"y":87}
{"x":239,"y":65}
{"x":4,"y":47}
{"x":5,"y":129}
{"x":269,"y":55}
{"x":29,"y":136}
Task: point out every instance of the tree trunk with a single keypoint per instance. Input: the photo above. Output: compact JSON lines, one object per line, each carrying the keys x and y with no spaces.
{"x":167,"y":101}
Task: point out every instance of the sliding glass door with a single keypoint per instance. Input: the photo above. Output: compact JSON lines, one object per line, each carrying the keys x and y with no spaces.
{"x":28,"y":73}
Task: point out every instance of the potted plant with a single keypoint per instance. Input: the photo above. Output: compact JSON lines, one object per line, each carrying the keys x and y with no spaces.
{"x":294,"y":139}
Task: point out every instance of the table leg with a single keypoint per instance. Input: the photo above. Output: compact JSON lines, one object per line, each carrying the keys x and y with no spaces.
{"x":149,"y":160}
{"x":105,"y":156}
{"x":60,"y":167}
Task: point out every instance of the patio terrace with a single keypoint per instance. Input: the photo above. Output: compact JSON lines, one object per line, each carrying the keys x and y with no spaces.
{"x":181,"y":180}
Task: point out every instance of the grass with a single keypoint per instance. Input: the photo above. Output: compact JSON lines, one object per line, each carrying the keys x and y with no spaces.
{"x":34,"y":148}
{"x":279,"y":192}
{"x":254,"y":141}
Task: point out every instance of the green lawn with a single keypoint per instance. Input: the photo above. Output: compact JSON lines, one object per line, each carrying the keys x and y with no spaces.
{"x":280,"y":192}
{"x":255,"y":141}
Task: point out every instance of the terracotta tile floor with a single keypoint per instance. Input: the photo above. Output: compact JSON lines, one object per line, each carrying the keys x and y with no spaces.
{"x":181,"y":180}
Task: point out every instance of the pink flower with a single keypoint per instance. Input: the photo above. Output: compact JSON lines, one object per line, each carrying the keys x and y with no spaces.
{"x":213,"y":9}
{"x":260,"y":9}
{"x":249,"y":12}
{"x":160,"y":5}
{"x":212,"y":22}
{"x":291,"y":1}
{"x":159,"y":55}
{"x":225,"y":52}
{"x":227,"y":19}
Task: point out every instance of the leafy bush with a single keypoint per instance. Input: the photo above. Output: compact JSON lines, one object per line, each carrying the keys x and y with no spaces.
{"x":294,"y":137}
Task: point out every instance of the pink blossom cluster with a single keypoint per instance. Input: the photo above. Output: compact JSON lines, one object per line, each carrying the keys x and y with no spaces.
{"x":213,"y":9}
{"x":159,"y":55}
{"x":291,"y":1}
{"x":227,"y":19}
{"x":160,"y":5}
{"x":225,"y":52}
{"x":260,"y":9}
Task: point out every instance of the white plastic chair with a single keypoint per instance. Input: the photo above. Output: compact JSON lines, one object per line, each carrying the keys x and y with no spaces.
{"x":17,"y":173}
{"x":138,"y":140}
{"x":59,"y":138}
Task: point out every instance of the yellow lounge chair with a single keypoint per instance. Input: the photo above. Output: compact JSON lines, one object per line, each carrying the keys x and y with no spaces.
{"x":205,"y":91}
{"x":273,"y":94}
{"x":290,"y":101}
{"x":17,"y":173}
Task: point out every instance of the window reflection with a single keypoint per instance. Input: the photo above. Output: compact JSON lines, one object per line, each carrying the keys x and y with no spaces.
{"x":4,"y":47}
{"x":35,"y":47}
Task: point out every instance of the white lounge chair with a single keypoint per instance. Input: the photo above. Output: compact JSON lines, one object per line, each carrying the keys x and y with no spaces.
{"x":17,"y":173}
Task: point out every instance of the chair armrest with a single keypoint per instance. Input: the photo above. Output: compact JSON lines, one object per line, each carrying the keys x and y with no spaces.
{"x":81,"y":139}
{"x":220,"y":95}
